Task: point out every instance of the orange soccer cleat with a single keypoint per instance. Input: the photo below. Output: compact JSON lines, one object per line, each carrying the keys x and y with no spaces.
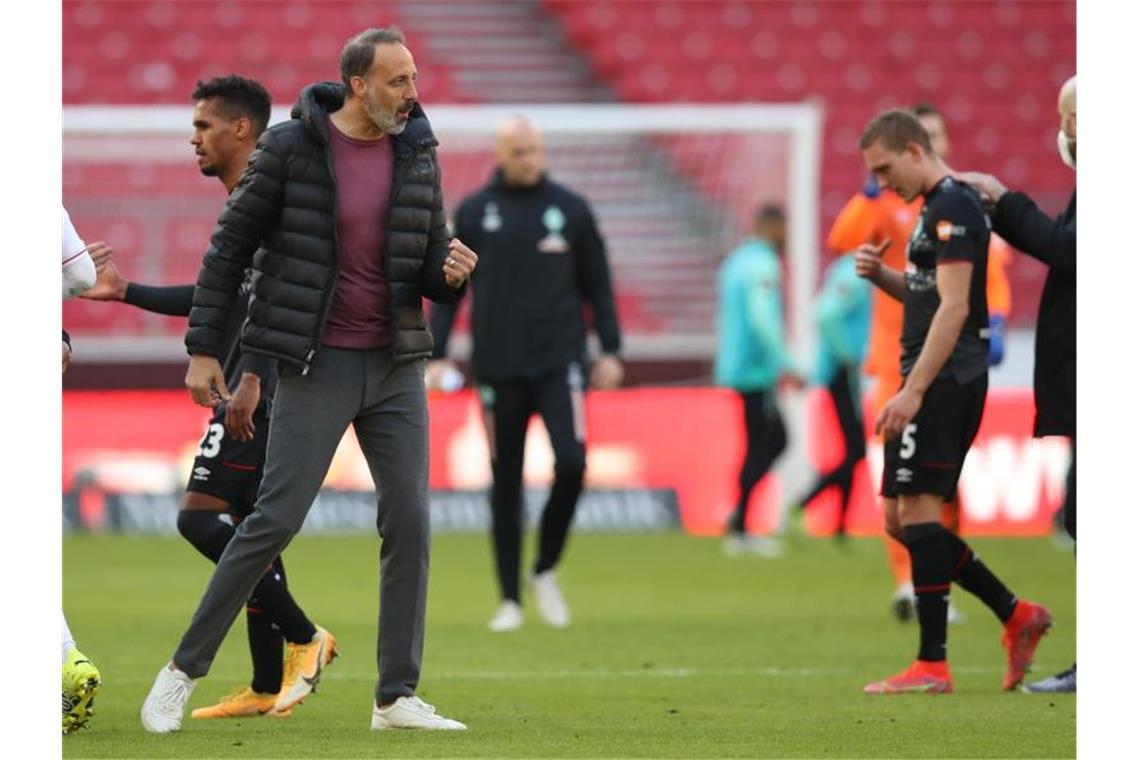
{"x":1023,"y":631}
{"x":922,"y":677}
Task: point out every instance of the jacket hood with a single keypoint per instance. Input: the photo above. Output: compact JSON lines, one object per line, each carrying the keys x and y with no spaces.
{"x":317,"y":101}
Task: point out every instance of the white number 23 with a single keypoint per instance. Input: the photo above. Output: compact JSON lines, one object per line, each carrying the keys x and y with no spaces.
{"x":212,"y":441}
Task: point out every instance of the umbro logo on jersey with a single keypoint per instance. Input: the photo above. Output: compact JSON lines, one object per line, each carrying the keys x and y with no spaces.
{"x":904,"y":475}
{"x":201,"y":473}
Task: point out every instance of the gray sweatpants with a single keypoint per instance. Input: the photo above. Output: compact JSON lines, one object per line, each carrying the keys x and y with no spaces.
{"x":386,"y":404}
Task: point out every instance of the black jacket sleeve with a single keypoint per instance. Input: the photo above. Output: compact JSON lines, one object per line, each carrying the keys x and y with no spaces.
{"x":443,"y":314}
{"x":1051,"y":241}
{"x":175,"y":300}
{"x":593,"y":272}
{"x":252,"y":207}
{"x":433,"y":283}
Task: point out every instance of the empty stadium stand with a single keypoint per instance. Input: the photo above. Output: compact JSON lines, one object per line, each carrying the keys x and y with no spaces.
{"x":993,"y":68}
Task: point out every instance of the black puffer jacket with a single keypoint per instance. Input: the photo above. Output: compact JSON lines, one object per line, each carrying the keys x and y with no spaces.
{"x":281,"y":219}
{"x":1054,"y":243}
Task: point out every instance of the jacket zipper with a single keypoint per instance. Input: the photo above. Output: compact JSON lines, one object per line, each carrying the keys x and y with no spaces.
{"x":399,"y":172}
{"x":326,"y":304}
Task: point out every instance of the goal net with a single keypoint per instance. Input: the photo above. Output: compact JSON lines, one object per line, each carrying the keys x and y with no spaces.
{"x":674,"y":188}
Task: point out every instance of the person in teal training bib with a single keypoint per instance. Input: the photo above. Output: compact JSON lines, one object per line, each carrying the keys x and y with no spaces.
{"x":752,"y":358}
{"x":843,"y":319}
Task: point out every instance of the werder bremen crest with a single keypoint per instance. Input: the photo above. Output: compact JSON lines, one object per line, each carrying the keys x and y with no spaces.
{"x":492,"y":221}
{"x":554,"y":220}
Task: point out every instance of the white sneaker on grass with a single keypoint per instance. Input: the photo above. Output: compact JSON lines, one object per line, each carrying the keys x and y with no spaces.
{"x":954,"y":616}
{"x":412,"y":712}
{"x":549,"y":601}
{"x":509,"y":617}
{"x":162,"y":711}
{"x":767,"y":547}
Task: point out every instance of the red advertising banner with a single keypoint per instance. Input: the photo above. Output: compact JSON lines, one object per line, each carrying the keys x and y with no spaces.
{"x":689,"y":440}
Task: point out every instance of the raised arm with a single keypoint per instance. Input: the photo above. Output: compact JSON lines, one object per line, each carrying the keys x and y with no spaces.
{"x":1051,"y":241}
{"x":869,"y":266}
{"x":78,"y":267}
{"x":110,"y":285}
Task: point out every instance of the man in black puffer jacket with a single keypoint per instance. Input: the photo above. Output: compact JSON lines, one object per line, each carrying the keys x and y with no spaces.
{"x":1053,"y":242}
{"x":340,"y":215}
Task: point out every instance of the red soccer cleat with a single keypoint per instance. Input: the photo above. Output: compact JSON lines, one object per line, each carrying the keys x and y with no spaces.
{"x":922,"y":677}
{"x":1023,"y":631}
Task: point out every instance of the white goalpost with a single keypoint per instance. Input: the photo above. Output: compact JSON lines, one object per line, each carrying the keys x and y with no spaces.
{"x":674,"y":188}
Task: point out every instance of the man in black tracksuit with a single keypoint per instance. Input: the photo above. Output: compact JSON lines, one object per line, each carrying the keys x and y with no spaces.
{"x":1053,"y":242}
{"x":542,"y":260}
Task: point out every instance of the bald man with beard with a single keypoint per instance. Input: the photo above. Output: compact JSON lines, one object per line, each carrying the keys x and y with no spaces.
{"x":1053,"y":242}
{"x":543,"y":260}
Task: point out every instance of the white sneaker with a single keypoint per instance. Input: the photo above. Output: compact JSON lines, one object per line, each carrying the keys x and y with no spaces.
{"x":902,"y":603}
{"x":954,"y":616}
{"x":549,"y":601}
{"x":509,"y":617}
{"x":767,"y":547}
{"x":162,"y":711}
{"x":903,"y":606}
{"x":412,"y":712}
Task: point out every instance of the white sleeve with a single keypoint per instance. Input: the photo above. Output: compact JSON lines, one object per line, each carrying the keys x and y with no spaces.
{"x":78,"y":268}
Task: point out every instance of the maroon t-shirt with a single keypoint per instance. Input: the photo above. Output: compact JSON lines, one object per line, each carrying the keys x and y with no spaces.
{"x":359,"y":315}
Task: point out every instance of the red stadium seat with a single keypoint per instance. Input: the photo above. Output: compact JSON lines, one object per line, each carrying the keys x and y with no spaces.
{"x":993,"y":68}
{"x":981,"y":63}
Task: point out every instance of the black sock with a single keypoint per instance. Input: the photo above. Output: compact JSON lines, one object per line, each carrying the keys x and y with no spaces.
{"x":265,"y":649}
{"x":273,"y":596}
{"x":930,"y":573}
{"x":972,"y":574}
{"x":210,"y":533}
{"x":735,"y":522}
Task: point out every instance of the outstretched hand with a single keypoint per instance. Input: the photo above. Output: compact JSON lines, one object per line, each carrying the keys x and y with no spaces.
{"x":110,"y":285}
{"x":100,"y":252}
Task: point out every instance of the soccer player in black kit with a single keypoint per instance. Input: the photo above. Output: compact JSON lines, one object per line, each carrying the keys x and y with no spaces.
{"x":542,"y":260}
{"x":931,"y":422}
{"x":229,"y":115}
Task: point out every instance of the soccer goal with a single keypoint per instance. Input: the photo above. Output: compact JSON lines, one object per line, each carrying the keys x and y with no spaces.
{"x":674,"y":188}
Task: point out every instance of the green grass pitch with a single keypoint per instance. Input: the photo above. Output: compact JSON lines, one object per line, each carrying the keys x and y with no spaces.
{"x":674,"y":651}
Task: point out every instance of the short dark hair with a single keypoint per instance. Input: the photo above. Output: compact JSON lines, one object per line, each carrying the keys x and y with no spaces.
{"x":770,"y":213}
{"x":923,"y":108}
{"x":239,"y":97}
{"x":356,"y":58}
{"x":895,"y":129}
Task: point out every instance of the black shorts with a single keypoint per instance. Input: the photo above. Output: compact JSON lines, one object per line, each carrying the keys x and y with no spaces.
{"x":928,"y":456}
{"x":227,"y":468}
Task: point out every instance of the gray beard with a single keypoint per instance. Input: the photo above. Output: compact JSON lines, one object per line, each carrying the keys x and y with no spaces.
{"x":384,"y":121}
